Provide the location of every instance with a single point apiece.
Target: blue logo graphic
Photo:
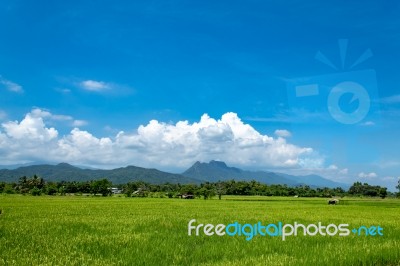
(345, 95)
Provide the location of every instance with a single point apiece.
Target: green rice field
(86, 230)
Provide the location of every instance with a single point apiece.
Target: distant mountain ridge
(216, 170)
(213, 171)
(67, 172)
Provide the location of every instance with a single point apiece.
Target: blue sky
(105, 67)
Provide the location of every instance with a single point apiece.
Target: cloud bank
(156, 144)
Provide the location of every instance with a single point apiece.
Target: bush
(62, 191)
(51, 190)
(36, 192)
(8, 189)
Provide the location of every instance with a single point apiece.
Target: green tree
(102, 186)
(8, 189)
(36, 181)
(220, 189)
(51, 189)
(188, 189)
(356, 189)
(61, 190)
(204, 192)
(383, 192)
(36, 191)
(2, 186)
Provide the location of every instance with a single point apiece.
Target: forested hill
(216, 170)
(67, 172)
(213, 171)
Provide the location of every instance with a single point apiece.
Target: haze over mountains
(67, 172)
(216, 170)
(200, 172)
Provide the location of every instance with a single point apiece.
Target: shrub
(36, 192)
(8, 189)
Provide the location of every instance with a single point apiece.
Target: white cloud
(227, 139)
(92, 85)
(79, 123)
(46, 115)
(37, 112)
(102, 87)
(283, 133)
(156, 144)
(83, 146)
(11, 86)
(31, 128)
(332, 167)
(43, 113)
(61, 117)
(367, 175)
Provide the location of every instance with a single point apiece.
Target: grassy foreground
(54, 230)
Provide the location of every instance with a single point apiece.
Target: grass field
(79, 230)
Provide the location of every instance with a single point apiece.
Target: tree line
(37, 186)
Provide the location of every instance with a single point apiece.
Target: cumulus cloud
(227, 139)
(367, 175)
(11, 86)
(30, 128)
(155, 144)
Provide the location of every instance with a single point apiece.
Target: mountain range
(67, 172)
(199, 172)
(216, 170)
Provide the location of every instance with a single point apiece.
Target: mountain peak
(215, 171)
(212, 171)
(64, 165)
(218, 164)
